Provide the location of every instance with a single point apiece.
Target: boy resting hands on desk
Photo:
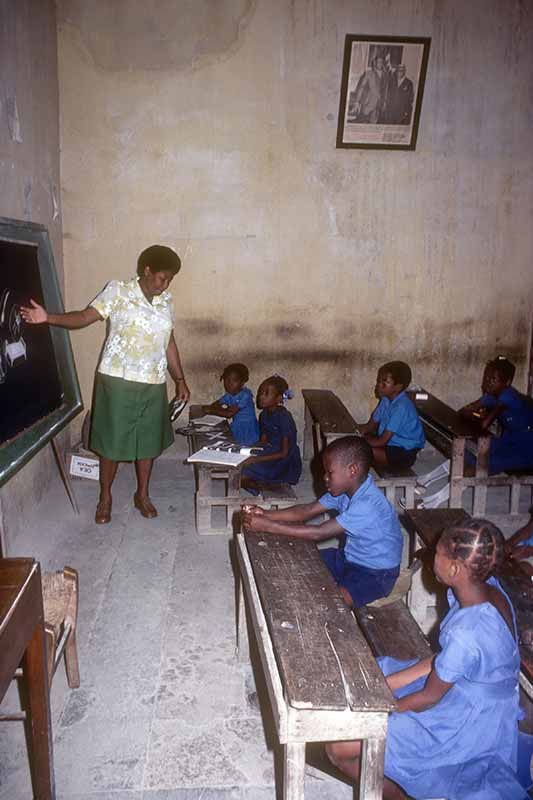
(367, 562)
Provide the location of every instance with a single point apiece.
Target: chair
(60, 603)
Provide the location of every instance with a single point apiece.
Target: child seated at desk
(367, 563)
(280, 461)
(455, 731)
(237, 405)
(500, 401)
(520, 545)
(394, 430)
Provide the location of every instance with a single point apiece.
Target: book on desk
(227, 455)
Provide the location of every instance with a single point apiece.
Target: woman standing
(130, 419)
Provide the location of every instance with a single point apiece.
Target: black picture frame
(383, 80)
(15, 452)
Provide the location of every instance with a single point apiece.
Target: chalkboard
(39, 390)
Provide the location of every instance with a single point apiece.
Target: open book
(225, 455)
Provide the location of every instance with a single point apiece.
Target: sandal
(103, 513)
(144, 506)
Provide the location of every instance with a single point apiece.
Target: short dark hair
(351, 450)
(279, 383)
(476, 542)
(241, 370)
(505, 368)
(399, 370)
(160, 259)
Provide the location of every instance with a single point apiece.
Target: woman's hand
(182, 390)
(35, 315)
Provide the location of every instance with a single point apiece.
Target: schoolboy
(367, 562)
(394, 430)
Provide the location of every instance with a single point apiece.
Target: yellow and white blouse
(139, 332)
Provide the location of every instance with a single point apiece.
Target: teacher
(130, 420)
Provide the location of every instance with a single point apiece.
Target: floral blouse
(139, 332)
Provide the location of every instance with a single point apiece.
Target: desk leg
(242, 648)
(308, 435)
(482, 471)
(457, 471)
(372, 763)
(40, 724)
(294, 771)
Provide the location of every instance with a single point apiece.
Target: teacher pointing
(130, 420)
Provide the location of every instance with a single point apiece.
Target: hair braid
(478, 543)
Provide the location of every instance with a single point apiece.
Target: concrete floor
(164, 711)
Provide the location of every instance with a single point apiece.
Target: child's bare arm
(298, 513)
(218, 409)
(476, 405)
(487, 419)
(312, 533)
(397, 680)
(283, 453)
(369, 427)
(379, 441)
(429, 696)
(521, 553)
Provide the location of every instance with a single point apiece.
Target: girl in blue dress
(280, 461)
(500, 401)
(237, 405)
(455, 733)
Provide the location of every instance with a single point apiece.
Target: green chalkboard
(39, 389)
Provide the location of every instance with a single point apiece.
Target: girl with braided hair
(455, 731)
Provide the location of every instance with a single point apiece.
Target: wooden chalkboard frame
(16, 452)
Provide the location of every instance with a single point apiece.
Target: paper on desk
(207, 419)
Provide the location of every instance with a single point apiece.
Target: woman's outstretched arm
(72, 320)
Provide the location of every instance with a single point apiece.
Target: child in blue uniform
(455, 733)
(237, 405)
(394, 430)
(367, 563)
(500, 401)
(280, 461)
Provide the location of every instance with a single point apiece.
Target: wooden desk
(210, 475)
(323, 681)
(325, 416)
(428, 525)
(22, 642)
(449, 432)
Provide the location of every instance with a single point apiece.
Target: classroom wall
(211, 127)
(29, 184)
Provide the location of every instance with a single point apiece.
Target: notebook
(228, 456)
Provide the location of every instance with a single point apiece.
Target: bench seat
(391, 630)
(392, 479)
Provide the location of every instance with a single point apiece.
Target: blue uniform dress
(368, 562)
(244, 425)
(464, 747)
(401, 418)
(274, 425)
(514, 449)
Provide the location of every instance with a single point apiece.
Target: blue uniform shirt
(244, 426)
(373, 535)
(401, 418)
(518, 412)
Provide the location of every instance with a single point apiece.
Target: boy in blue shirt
(367, 563)
(394, 430)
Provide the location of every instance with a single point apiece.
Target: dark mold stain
(203, 327)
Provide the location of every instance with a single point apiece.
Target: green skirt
(129, 419)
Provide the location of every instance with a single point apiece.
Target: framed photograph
(381, 93)
(39, 391)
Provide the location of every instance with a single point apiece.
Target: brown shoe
(144, 506)
(103, 513)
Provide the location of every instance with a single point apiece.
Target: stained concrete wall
(211, 126)
(29, 182)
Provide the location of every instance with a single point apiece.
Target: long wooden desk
(449, 432)
(326, 416)
(22, 641)
(428, 524)
(323, 681)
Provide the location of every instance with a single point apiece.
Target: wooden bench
(391, 630)
(391, 480)
(428, 524)
(323, 681)
(326, 419)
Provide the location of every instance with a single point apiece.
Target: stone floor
(164, 711)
